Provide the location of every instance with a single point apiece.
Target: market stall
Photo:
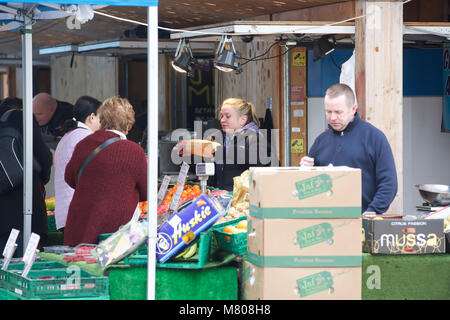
(224, 259)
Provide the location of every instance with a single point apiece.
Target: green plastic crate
(51, 223)
(37, 265)
(5, 295)
(56, 284)
(235, 242)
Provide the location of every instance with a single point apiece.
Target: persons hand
(180, 148)
(369, 214)
(306, 161)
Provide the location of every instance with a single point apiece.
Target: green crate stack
(230, 242)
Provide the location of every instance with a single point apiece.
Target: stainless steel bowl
(435, 194)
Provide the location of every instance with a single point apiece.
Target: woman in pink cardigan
(87, 121)
(112, 184)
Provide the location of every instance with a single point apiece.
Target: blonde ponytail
(244, 108)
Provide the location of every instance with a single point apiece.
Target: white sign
(180, 181)
(11, 242)
(10, 247)
(163, 189)
(28, 257)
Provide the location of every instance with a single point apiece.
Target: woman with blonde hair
(109, 187)
(242, 143)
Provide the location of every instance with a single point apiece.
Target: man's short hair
(116, 113)
(339, 89)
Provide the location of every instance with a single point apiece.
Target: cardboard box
(305, 192)
(183, 227)
(304, 242)
(394, 235)
(333, 283)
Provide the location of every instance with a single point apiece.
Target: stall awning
(138, 3)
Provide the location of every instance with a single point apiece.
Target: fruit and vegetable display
(190, 192)
(178, 238)
(240, 203)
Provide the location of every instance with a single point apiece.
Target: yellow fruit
(242, 225)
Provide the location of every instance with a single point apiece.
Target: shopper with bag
(11, 199)
(109, 175)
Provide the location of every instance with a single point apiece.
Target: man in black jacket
(51, 115)
(12, 202)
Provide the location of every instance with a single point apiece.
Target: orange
(230, 229)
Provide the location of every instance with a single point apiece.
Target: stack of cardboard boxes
(304, 234)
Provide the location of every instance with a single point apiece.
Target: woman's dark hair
(83, 108)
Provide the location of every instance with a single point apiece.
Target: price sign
(30, 253)
(180, 181)
(10, 247)
(163, 189)
(11, 242)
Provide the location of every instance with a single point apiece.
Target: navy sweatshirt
(363, 146)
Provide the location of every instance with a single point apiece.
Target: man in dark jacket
(51, 115)
(12, 203)
(351, 141)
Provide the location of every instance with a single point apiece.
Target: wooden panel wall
(88, 75)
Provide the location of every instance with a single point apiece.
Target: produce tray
(5, 295)
(230, 242)
(56, 284)
(38, 265)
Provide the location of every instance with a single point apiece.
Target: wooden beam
(379, 75)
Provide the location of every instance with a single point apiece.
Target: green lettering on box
(315, 234)
(304, 261)
(314, 283)
(313, 186)
(305, 212)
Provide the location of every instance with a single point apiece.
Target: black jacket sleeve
(41, 153)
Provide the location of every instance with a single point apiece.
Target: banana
(191, 251)
(188, 252)
(181, 254)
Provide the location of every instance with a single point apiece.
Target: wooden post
(379, 75)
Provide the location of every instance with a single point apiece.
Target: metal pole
(27, 80)
(287, 108)
(152, 145)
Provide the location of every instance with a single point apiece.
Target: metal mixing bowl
(435, 194)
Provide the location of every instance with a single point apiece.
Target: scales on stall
(203, 172)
